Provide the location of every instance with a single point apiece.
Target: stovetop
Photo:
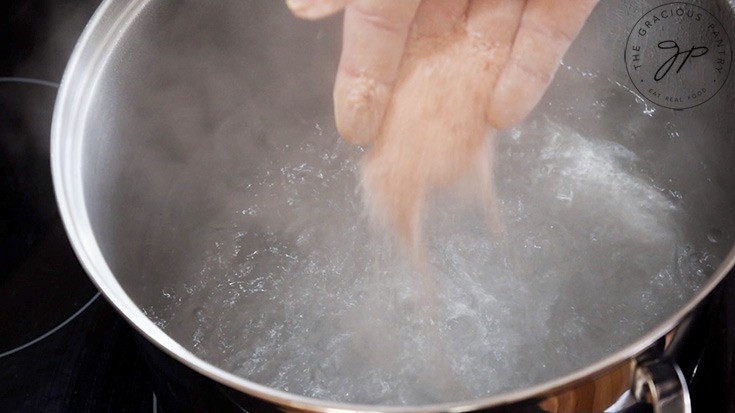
(63, 348)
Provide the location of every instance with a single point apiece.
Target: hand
(525, 40)
(421, 80)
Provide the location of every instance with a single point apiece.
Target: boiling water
(295, 291)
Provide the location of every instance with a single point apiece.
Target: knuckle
(550, 31)
(390, 19)
(534, 72)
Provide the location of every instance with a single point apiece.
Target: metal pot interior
(199, 138)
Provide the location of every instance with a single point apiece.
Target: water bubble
(600, 104)
(516, 135)
(710, 262)
(251, 211)
(308, 147)
(676, 195)
(462, 327)
(197, 337)
(672, 130)
(714, 236)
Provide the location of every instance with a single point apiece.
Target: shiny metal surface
(663, 385)
(105, 111)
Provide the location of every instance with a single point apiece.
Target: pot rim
(104, 30)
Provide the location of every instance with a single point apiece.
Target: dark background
(88, 362)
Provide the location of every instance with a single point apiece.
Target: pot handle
(663, 385)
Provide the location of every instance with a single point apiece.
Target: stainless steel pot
(110, 116)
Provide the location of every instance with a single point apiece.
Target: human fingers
(547, 30)
(316, 9)
(495, 21)
(437, 17)
(492, 25)
(373, 41)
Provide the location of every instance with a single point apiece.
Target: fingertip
(348, 129)
(501, 118)
(354, 124)
(359, 107)
(315, 9)
(518, 90)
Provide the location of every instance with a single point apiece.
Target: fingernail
(303, 8)
(315, 9)
(298, 6)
